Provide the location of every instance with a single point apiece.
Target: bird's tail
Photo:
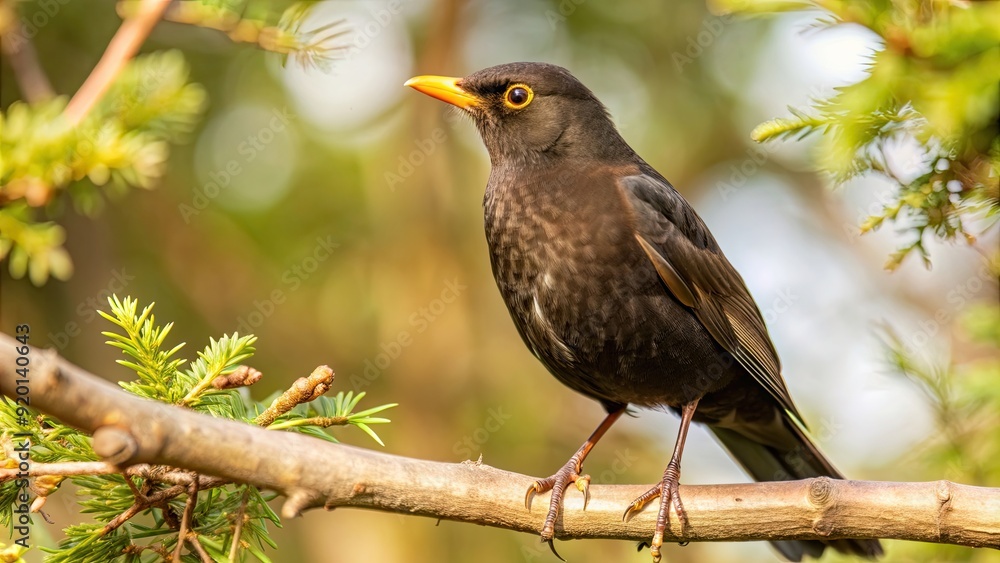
(782, 451)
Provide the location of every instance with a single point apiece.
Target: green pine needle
(105, 497)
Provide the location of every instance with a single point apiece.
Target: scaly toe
(679, 508)
(654, 546)
(641, 501)
(537, 488)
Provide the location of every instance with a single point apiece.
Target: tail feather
(788, 453)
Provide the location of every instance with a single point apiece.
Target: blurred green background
(335, 213)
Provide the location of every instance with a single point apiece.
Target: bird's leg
(569, 473)
(668, 489)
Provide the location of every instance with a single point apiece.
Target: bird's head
(530, 112)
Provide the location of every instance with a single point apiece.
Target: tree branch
(313, 473)
(124, 45)
(31, 79)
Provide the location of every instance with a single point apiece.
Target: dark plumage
(617, 286)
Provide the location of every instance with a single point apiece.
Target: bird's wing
(694, 270)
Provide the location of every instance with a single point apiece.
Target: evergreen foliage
(48, 161)
(933, 82)
(152, 531)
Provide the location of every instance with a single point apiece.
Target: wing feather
(697, 274)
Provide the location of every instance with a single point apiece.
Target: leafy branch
(149, 513)
(931, 89)
(116, 131)
(315, 474)
(123, 142)
(336, 411)
(263, 25)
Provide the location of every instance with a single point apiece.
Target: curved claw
(632, 508)
(552, 546)
(534, 489)
(640, 502)
(583, 485)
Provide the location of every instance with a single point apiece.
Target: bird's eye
(518, 96)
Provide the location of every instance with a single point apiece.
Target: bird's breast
(558, 251)
(584, 297)
(554, 240)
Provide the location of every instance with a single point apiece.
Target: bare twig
(313, 473)
(196, 544)
(124, 45)
(31, 79)
(303, 390)
(65, 469)
(144, 500)
(141, 504)
(186, 520)
(131, 486)
(159, 473)
(240, 517)
(244, 376)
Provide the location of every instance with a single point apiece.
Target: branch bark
(31, 79)
(124, 45)
(312, 473)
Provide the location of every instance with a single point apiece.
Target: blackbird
(617, 286)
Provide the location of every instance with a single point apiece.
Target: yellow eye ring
(518, 96)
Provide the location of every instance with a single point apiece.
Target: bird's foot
(668, 492)
(557, 483)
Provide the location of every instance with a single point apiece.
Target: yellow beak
(444, 88)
